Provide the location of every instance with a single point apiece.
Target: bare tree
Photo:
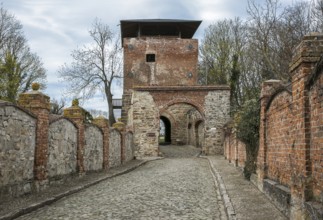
(317, 14)
(222, 56)
(16, 60)
(262, 26)
(95, 67)
(215, 52)
(273, 33)
(57, 107)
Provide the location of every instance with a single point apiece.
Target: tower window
(150, 57)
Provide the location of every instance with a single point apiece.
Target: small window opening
(150, 57)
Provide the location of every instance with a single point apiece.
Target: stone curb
(223, 191)
(48, 201)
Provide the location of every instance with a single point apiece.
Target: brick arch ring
(166, 114)
(181, 101)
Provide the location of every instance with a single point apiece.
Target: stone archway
(182, 129)
(180, 105)
(166, 130)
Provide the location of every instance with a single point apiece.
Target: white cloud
(55, 27)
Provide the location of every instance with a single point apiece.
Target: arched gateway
(160, 83)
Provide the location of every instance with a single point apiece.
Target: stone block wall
(17, 150)
(199, 128)
(208, 107)
(129, 147)
(93, 149)
(62, 150)
(217, 110)
(195, 126)
(180, 131)
(38, 149)
(115, 149)
(145, 121)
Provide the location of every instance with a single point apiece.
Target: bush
(247, 124)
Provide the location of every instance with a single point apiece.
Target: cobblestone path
(172, 188)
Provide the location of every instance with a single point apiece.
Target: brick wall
(175, 62)
(38, 149)
(279, 141)
(290, 150)
(166, 86)
(234, 149)
(316, 133)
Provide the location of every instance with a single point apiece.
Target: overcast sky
(55, 27)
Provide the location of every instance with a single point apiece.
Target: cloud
(55, 28)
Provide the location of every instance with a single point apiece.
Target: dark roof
(158, 27)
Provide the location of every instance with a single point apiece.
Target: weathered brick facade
(290, 151)
(289, 162)
(160, 80)
(165, 70)
(234, 149)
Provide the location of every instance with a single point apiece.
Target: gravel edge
(223, 191)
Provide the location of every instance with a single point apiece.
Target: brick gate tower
(160, 84)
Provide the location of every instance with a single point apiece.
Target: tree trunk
(108, 94)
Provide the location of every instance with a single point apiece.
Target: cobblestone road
(172, 188)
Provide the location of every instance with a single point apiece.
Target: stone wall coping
(87, 125)
(114, 129)
(5, 103)
(121, 132)
(53, 118)
(129, 132)
(35, 93)
(181, 88)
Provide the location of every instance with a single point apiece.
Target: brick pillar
(120, 126)
(267, 89)
(39, 104)
(306, 55)
(103, 123)
(76, 114)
